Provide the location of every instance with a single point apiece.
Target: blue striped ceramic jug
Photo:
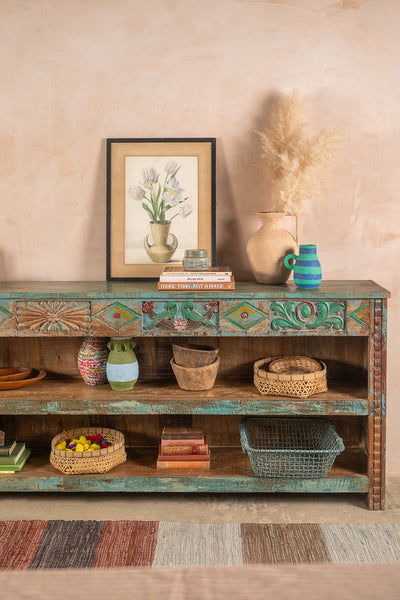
(307, 271)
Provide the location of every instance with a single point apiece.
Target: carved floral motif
(308, 315)
(53, 316)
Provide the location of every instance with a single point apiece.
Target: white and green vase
(122, 365)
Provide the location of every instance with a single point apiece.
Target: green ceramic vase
(122, 366)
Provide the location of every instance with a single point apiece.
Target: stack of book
(214, 278)
(13, 456)
(183, 448)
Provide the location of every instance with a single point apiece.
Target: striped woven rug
(108, 544)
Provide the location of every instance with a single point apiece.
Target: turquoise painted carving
(307, 315)
(244, 316)
(178, 317)
(5, 316)
(116, 316)
(357, 314)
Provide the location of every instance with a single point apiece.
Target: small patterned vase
(307, 272)
(92, 361)
(122, 366)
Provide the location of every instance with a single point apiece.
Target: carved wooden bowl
(196, 379)
(190, 355)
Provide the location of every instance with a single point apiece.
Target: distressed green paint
(256, 405)
(116, 316)
(102, 483)
(5, 315)
(356, 315)
(307, 315)
(244, 316)
(180, 317)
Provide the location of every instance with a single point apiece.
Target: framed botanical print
(160, 202)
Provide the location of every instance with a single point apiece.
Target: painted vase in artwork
(269, 245)
(307, 272)
(122, 365)
(161, 251)
(92, 360)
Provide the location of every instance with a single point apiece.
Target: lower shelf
(230, 472)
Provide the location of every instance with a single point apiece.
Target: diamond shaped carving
(116, 316)
(244, 315)
(5, 316)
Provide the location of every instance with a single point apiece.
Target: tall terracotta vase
(269, 245)
(160, 251)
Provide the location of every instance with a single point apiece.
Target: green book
(12, 459)
(4, 468)
(8, 447)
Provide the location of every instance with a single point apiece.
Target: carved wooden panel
(358, 316)
(7, 317)
(180, 317)
(246, 317)
(119, 318)
(53, 317)
(308, 316)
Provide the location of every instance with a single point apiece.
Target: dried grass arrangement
(294, 163)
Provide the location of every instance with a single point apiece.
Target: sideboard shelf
(342, 323)
(227, 397)
(230, 472)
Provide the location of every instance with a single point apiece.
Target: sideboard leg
(377, 418)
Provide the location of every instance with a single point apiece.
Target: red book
(184, 449)
(184, 464)
(184, 457)
(187, 442)
(182, 433)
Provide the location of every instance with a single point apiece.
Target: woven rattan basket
(290, 447)
(294, 385)
(94, 461)
(295, 365)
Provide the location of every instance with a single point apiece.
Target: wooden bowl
(188, 355)
(14, 373)
(196, 379)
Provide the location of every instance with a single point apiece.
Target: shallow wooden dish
(196, 379)
(14, 373)
(36, 375)
(190, 355)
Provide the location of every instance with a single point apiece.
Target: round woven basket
(295, 385)
(93, 461)
(295, 365)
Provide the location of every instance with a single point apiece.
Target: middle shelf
(228, 397)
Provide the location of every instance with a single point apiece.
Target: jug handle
(297, 224)
(286, 260)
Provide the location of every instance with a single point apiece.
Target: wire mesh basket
(290, 447)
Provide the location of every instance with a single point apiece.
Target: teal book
(11, 468)
(12, 459)
(8, 447)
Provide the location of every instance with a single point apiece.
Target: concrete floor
(229, 508)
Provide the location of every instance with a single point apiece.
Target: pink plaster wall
(76, 72)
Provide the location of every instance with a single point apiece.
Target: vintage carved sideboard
(342, 323)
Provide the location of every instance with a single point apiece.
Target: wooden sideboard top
(148, 289)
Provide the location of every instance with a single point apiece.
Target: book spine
(7, 449)
(195, 450)
(181, 438)
(184, 464)
(12, 458)
(195, 278)
(184, 457)
(229, 285)
(212, 271)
